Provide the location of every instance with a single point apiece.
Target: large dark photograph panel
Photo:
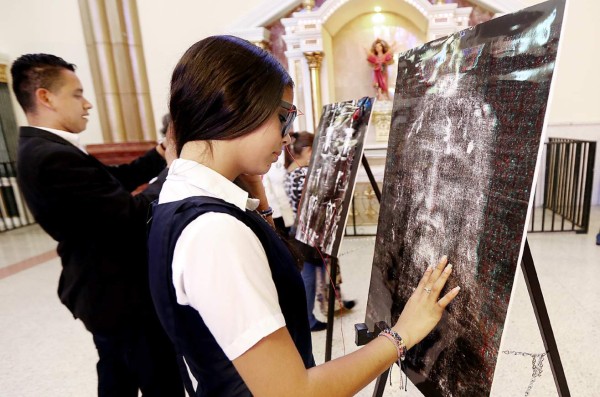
(329, 185)
(466, 132)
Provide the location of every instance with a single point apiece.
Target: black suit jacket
(100, 227)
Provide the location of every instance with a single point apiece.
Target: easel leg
(362, 337)
(374, 184)
(541, 314)
(330, 308)
(380, 384)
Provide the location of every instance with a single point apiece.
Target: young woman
(224, 285)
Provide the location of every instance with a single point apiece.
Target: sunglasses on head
(287, 120)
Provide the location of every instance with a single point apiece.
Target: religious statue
(379, 56)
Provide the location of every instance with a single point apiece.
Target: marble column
(314, 59)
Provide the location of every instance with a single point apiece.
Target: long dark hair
(301, 140)
(222, 88)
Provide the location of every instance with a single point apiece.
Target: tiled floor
(43, 351)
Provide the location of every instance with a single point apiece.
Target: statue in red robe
(380, 55)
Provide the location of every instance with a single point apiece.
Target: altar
(327, 45)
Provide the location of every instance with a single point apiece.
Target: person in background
(225, 286)
(314, 274)
(166, 120)
(283, 216)
(100, 228)
(298, 155)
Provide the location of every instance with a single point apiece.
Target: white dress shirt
(220, 268)
(278, 200)
(68, 136)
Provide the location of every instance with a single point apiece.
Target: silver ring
(428, 290)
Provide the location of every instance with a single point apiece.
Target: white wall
(576, 88)
(30, 26)
(574, 108)
(170, 27)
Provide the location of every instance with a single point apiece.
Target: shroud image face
(466, 133)
(336, 154)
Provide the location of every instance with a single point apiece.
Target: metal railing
(13, 210)
(567, 187)
(564, 188)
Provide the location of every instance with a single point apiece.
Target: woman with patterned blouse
(297, 159)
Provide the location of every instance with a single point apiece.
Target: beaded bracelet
(396, 340)
(267, 212)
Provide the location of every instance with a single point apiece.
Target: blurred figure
(283, 216)
(166, 121)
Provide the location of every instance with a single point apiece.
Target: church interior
(125, 52)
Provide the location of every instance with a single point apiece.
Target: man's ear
(43, 97)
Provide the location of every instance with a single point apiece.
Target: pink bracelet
(391, 338)
(396, 339)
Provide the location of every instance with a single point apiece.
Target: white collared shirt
(220, 268)
(68, 136)
(278, 199)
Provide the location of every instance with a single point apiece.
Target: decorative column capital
(308, 5)
(314, 59)
(3, 76)
(262, 44)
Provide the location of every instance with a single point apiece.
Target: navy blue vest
(214, 372)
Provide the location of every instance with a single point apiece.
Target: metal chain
(537, 366)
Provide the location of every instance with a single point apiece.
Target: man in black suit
(100, 228)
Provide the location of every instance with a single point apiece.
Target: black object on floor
(319, 326)
(349, 304)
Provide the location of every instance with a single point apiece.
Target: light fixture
(378, 18)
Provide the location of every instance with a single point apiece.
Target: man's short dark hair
(32, 71)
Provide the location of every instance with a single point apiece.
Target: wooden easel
(363, 336)
(334, 269)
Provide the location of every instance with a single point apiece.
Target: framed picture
(467, 123)
(336, 155)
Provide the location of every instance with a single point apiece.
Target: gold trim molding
(314, 59)
(308, 5)
(3, 76)
(262, 44)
